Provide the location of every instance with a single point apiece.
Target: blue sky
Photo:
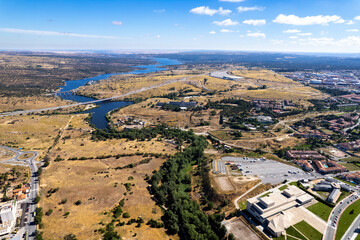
(247, 25)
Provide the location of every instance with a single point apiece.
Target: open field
(307, 230)
(320, 209)
(351, 166)
(75, 141)
(5, 154)
(99, 187)
(31, 132)
(25, 103)
(146, 111)
(346, 218)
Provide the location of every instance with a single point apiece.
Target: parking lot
(268, 171)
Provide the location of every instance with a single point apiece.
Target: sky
(236, 25)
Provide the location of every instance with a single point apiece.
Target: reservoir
(99, 114)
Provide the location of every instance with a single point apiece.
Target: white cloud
(227, 31)
(158, 36)
(277, 42)
(226, 22)
(119, 23)
(255, 22)
(212, 32)
(353, 41)
(256, 34)
(350, 22)
(246, 9)
(357, 18)
(203, 10)
(352, 30)
(308, 20)
(293, 37)
(292, 31)
(51, 33)
(305, 34)
(232, 0)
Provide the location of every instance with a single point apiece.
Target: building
(304, 155)
(329, 186)
(7, 217)
(182, 105)
(305, 165)
(353, 177)
(326, 167)
(312, 134)
(21, 193)
(271, 211)
(349, 146)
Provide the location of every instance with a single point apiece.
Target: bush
(78, 202)
(126, 215)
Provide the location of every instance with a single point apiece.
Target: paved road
(30, 227)
(90, 102)
(335, 215)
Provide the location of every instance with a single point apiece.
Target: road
(335, 215)
(30, 226)
(91, 102)
(250, 190)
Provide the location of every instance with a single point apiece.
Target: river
(99, 114)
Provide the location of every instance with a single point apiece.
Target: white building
(7, 217)
(271, 212)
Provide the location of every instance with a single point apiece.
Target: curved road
(30, 227)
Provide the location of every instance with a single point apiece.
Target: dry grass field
(32, 132)
(5, 154)
(121, 84)
(25, 103)
(75, 141)
(99, 187)
(153, 115)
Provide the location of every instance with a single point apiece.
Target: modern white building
(271, 211)
(7, 217)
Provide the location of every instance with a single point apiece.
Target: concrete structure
(271, 211)
(7, 217)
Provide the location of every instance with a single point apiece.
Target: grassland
(320, 209)
(146, 111)
(31, 132)
(8, 104)
(5, 154)
(351, 166)
(346, 218)
(99, 187)
(308, 230)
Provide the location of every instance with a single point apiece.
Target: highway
(335, 215)
(30, 226)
